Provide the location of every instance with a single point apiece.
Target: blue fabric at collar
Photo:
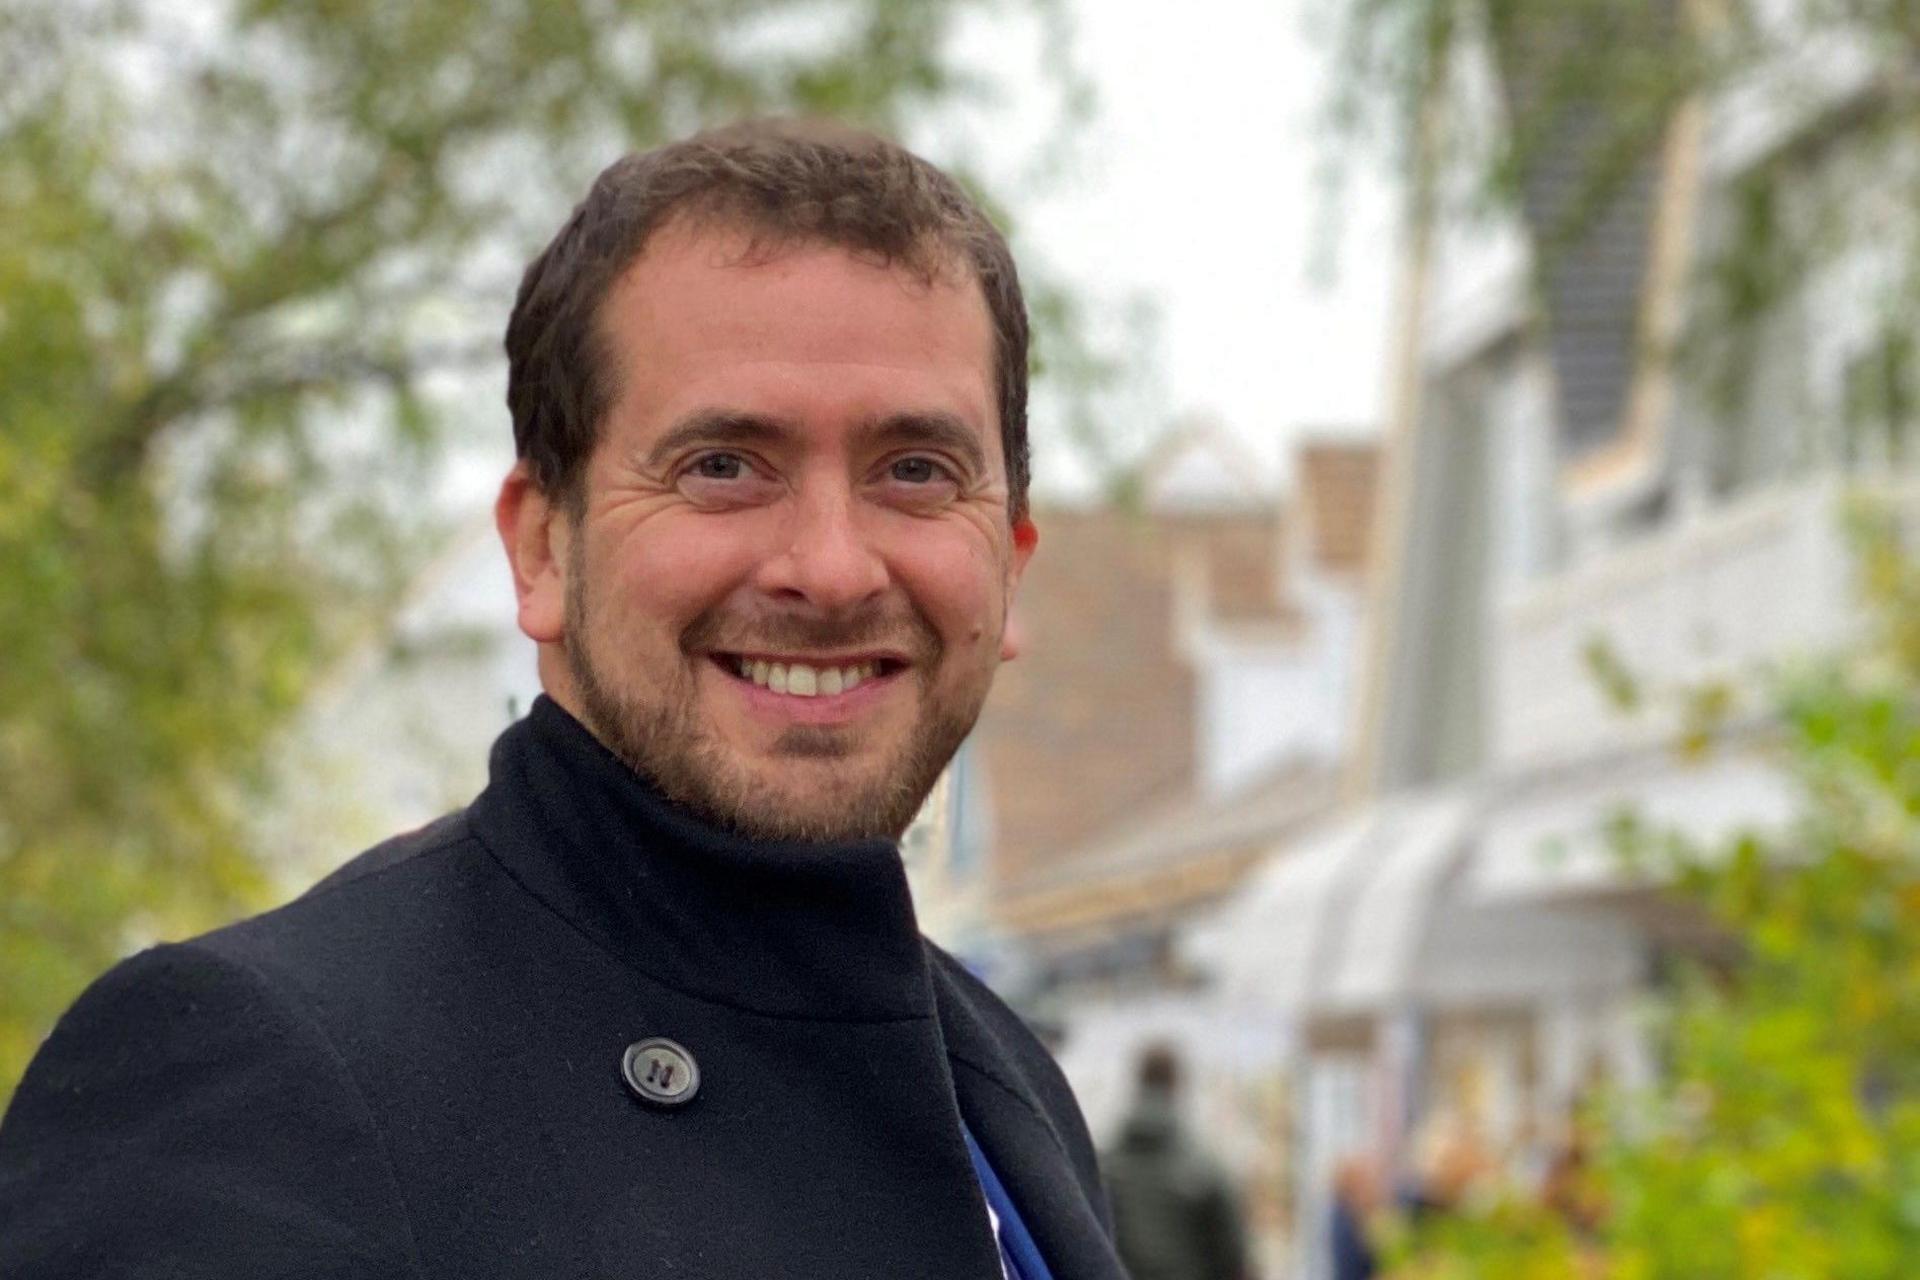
(1015, 1240)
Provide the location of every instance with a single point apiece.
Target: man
(655, 1004)
(1175, 1214)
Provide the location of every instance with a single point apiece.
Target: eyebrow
(717, 426)
(732, 427)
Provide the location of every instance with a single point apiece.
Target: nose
(829, 559)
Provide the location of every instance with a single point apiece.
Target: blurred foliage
(1813, 120)
(1785, 1139)
(243, 240)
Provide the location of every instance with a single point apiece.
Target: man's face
(786, 595)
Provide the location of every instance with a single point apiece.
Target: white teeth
(801, 680)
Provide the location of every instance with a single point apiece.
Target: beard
(669, 743)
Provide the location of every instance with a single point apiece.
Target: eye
(718, 466)
(723, 479)
(916, 470)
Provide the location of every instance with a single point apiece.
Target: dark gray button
(660, 1071)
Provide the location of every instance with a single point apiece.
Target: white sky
(1196, 186)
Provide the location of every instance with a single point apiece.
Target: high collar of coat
(785, 929)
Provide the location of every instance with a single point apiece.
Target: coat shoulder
(390, 953)
(448, 829)
(369, 914)
(186, 1110)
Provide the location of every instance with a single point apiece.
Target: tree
(1785, 1139)
(246, 243)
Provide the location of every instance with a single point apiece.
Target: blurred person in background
(1175, 1213)
(1357, 1198)
(656, 1002)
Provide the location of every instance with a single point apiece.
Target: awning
(1374, 914)
(1337, 923)
(1389, 924)
(1264, 946)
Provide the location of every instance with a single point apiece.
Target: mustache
(897, 628)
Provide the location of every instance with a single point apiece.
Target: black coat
(414, 1069)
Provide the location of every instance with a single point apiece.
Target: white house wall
(1261, 705)
(1759, 581)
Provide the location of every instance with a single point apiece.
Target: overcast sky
(1199, 185)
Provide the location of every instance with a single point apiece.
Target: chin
(813, 800)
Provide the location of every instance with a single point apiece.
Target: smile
(807, 679)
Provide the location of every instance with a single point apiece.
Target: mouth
(809, 677)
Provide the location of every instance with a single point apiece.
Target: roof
(1097, 715)
(1089, 739)
(1594, 231)
(1190, 849)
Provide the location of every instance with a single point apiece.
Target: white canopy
(1266, 944)
(1373, 913)
(1388, 928)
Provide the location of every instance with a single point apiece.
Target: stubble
(667, 740)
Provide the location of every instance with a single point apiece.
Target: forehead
(706, 318)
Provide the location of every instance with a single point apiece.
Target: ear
(1013, 636)
(535, 531)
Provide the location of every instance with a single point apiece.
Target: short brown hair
(782, 182)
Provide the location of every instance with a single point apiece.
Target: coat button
(660, 1071)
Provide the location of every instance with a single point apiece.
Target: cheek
(670, 570)
(959, 585)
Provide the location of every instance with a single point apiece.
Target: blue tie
(1017, 1250)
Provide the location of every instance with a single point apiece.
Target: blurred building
(1181, 708)
(1455, 949)
(1181, 703)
